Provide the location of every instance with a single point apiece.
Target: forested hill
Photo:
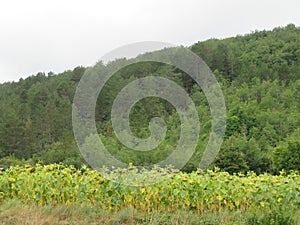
(260, 77)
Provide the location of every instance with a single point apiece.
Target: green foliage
(277, 216)
(287, 155)
(201, 192)
(9, 161)
(260, 77)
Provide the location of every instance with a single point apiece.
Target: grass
(15, 212)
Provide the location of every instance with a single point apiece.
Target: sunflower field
(199, 191)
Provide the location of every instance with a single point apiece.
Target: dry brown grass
(15, 213)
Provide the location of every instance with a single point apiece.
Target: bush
(10, 161)
(280, 216)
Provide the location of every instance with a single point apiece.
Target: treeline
(36, 118)
(259, 74)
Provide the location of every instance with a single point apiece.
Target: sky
(58, 35)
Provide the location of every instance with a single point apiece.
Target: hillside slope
(260, 77)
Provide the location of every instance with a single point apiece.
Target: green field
(76, 196)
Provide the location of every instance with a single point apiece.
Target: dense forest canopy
(259, 74)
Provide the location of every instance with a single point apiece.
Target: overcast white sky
(56, 35)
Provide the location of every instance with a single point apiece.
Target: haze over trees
(259, 74)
